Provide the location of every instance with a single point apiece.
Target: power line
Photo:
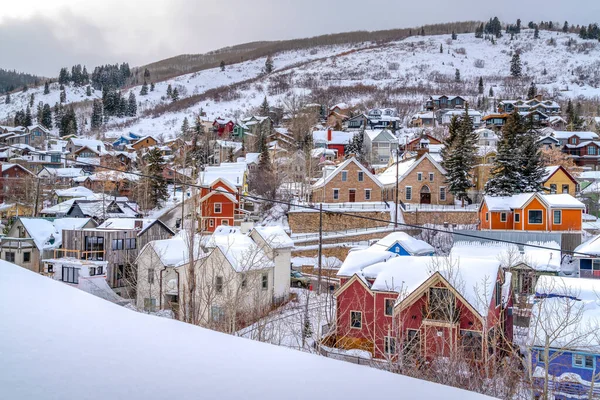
(313, 208)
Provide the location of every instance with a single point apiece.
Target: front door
(439, 340)
(352, 195)
(425, 195)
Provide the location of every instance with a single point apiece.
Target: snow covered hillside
(61, 343)
(398, 74)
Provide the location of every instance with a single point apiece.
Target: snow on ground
(61, 343)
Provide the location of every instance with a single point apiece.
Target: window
(573, 140)
(218, 208)
(565, 189)
(367, 194)
(344, 176)
(150, 304)
(487, 217)
(498, 293)
(151, 275)
(541, 357)
(557, 217)
(471, 343)
(211, 223)
(94, 247)
(336, 194)
(361, 176)
(219, 284)
(412, 341)
(217, 313)
(419, 176)
(584, 361)
(225, 222)
(99, 270)
(431, 177)
(26, 256)
(265, 282)
(591, 150)
(70, 274)
(442, 193)
(118, 244)
(130, 243)
(408, 193)
(92, 271)
(517, 217)
(389, 307)
(356, 319)
(503, 217)
(552, 188)
(535, 216)
(441, 304)
(389, 345)
(9, 256)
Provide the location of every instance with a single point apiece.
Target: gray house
(379, 145)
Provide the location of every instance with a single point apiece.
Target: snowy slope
(61, 343)
(411, 69)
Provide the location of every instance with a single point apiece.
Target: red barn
(429, 306)
(218, 205)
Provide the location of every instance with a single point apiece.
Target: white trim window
(502, 217)
(344, 176)
(517, 217)
(367, 194)
(356, 319)
(442, 193)
(535, 217)
(557, 217)
(431, 176)
(336, 194)
(361, 176)
(389, 345)
(218, 208)
(419, 176)
(389, 307)
(408, 192)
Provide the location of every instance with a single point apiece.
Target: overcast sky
(40, 36)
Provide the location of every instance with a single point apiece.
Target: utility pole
(37, 197)
(396, 196)
(320, 247)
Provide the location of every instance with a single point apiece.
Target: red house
(218, 205)
(13, 180)
(426, 306)
(334, 140)
(223, 127)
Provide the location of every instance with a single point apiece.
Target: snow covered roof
(232, 172)
(337, 137)
(357, 260)
(42, 230)
(77, 191)
(323, 181)
(591, 247)
(240, 250)
(175, 252)
(413, 245)
(103, 208)
(543, 259)
(504, 253)
(236, 146)
(92, 144)
(565, 311)
(382, 134)
(549, 171)
(234, 364)
(275, 236)
(388, 177)
(64, 172)
(127, 224)
(507, 203)
(562, 201)
(580, 135)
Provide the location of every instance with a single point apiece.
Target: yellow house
(9, 211)
(483, 167)
(559, 180)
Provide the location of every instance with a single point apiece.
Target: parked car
(299, 280)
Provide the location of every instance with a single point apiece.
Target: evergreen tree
(454, 35)
(63, 76)
(123, 108)
(169, 91)
(7, 101)
(88, 91)
(25, 88)
(28, 121)
(532, 165)
(131, 105)
(356, 147)
(19, 119)
(39, 111)
(185, 126)
(479, 32)
(457, 75)
(574, 121)
(63, 96)
(146, 73)
(536, 33)
(422, 31)
(480, 86)
(544, 72)
(46, 88)
(441, 48)
(264, 164)
(156, 184)
(532, 92)
(222, 65)
(518, 26)
(97, 108)
(515, 66)
(61, 87)
(565, 27)
(175, 96)
(491, 92)
(144, 90)
(46, 120)
(264, 108)
(505, 179)
(269, 65)
(460, 156)
(85, 77)
(31, 99)
(68, 123)
(152, 86)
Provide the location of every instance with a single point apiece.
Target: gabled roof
(229, 196)
(388, 177)
(42, 229)
(129, 224)
(518, 201)
(410, 244)
(549, 171)
(323, 181)
(275, 236)
(581, 135)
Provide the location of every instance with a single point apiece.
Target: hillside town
(458, 243)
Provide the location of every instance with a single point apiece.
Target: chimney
(329, 135)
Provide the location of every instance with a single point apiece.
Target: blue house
(565, 315)
(588, 255)
(403, 244)
(125, 140)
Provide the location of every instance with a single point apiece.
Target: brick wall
(305, 222)
(441, 217)
(344, 187)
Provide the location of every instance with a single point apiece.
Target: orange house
(531, 212)
(218, 205)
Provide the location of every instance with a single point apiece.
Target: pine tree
(185, 126)
(536, 33)
(28, 121)
(264, 164)
(422, 31)
(131, 105)
(144, 90)
(264, 108)
(88, 91)
(46, 120)
(46, 88)
(565, 27)
(454, 35)
(268, 65)
(31, 99)
(39, 111)
(532, 92)
(544, 72)
(505, 179)
(457, 75)
(515, 66)
(175, 96)
(479, 31)
(68, 123)
(63, 76)
(157, 185)
(146, 73)
(460, 156)
(169, 91)
(480, 86)
(532, 168)
(63, 96)
(222, 65)
(356, 147)
(96, 121)
(574, 121)
(7, 101)
(441, 48)
(491, 92)
(152, 86)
